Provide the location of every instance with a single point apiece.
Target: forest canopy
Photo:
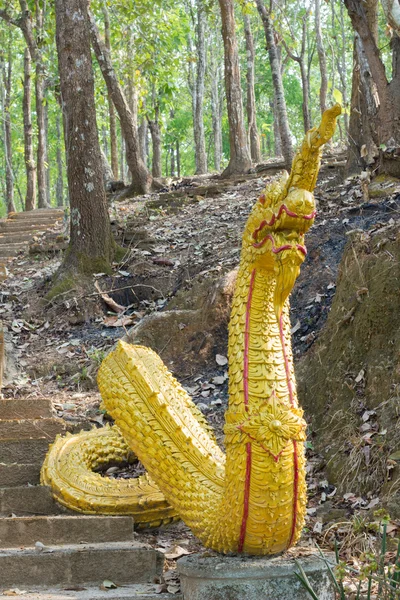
(168, 58)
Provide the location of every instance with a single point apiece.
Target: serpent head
(274, 235)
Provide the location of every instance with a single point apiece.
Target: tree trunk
(306, 95)
(142, 133)
(240, 160)
(172, 152)
(59, 184)
(386, 96)
(155, 132)
(46, 137)
(392, 13)
(363, 137)
(323, 90)
(30, 197)
(199, 138)
(40, 113)
(178, 158)
(111, 108)
(343, 67)
(215, 112)
(281, 112)
(277, 134)
(7, 81)
(41, 147)
(251, 101)
(141, 178)
(91, 246)
(388, 114)
(300, 59)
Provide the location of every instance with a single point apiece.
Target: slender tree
(91, 246)
(392, 12)
(111, 108)
(141, 178)
(199, 138)
(25, 23)
(37, 51)
(155, 132)
(323, 90)
(30, 197)
(7, 83)
(388, 92)
(215, 69)
(60, 177)
(240, 160)
(279, 94)
(300, 58)
(251, 100)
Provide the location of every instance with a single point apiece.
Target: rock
(383, 186)
(329, 513)
(222, 577)
(193, 330)
(362, 334)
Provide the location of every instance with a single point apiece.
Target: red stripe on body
(295, 492)
(246, 498)
(283, 208)
(246, 405)
(295, 458)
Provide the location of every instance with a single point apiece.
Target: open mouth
(277, 249)
(261, 240)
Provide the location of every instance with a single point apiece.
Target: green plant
(96, 355)
(380, 573)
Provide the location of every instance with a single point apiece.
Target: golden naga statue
(253, 499)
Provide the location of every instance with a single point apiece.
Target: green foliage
(380, 571)
(154, 54)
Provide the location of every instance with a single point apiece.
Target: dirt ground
(178, 244)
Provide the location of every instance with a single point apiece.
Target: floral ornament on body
(273, 426)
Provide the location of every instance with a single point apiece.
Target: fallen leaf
(317, 527)
(165, 262)
(108, 300)
(374, 502)
(176, 552)
(295, 328)
(221, 360)
(360, 376)
(119, 321)
(108, 585)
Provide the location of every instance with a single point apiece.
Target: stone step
(18, 451)
(17, 532)
(7, 249)
(16, 227)
(28, 501)
(25, 408)
(33, 225)
(33, 216)
(37, 214)
(31, 429)
(119, 562)
(15, 474)
(139, 591)
(16, 237)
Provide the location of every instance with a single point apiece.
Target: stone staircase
(19, 229)
(47, 553)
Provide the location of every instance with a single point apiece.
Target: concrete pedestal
(222, 577)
